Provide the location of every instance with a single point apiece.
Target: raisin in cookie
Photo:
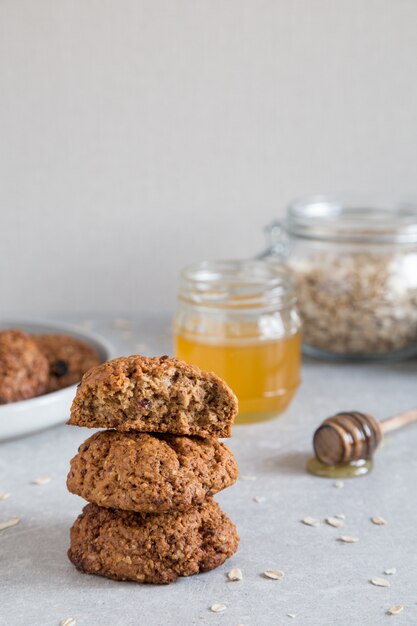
(150, 473)
(151, 548)
(68, 358)
(23, 367)
(154, 395)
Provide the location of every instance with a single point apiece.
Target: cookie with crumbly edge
(150, 473)
(154, 395)
(23, 367)
(151, 548)
(68, 358)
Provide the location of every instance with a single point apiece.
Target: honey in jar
(238, 319)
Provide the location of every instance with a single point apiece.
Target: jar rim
(237, 284)
(352, 219)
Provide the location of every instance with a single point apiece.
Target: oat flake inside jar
(355, 269)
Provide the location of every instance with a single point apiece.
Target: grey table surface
(326, 582)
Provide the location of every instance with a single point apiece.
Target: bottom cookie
(151, 547)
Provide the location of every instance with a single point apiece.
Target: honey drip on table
(264, 374)
(347, 470)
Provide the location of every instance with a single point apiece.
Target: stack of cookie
(150, 479)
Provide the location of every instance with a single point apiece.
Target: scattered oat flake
(311, 521)
(235, 574)
(259, 499)
(394, 610)
(10, 522)
(42, 480)
(340, 516)
(4, 496)
(247, 477)
(339, 484)
(379, 521)
(390, 571)
(380, 582)
(122, 324)
(218, 608)
(291, 615)
(70, 621)
(348, 539)
(334, 521)
(274, 574)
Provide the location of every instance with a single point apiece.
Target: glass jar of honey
(239, 319)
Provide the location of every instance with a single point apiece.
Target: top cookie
(68, 358)
(154, 395)
(23, 367)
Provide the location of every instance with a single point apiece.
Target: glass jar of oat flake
(355, 269)
(239, 319)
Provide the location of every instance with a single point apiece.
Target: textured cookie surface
(68, 358)
(150, 473)
(151, 548)
(154, 395)
(23, 367)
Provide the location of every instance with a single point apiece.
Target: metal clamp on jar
(355, 270)
(239, 320)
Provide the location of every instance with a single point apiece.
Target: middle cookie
(150, 473)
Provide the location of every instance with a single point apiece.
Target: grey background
(141, 135)
(326, 582)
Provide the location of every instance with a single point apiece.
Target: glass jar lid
(352, 220)
(237, 284)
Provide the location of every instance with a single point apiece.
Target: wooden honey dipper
(352, 436)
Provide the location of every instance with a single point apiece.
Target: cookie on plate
(69, 358)
(150, 473)
(154, 395)
(151, 548)
(23, 367)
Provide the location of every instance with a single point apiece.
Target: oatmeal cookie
(69, 358)
(150, 473)
(154, 395)
(151, 548)
(23, 367)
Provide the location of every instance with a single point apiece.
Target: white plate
(29, 416)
